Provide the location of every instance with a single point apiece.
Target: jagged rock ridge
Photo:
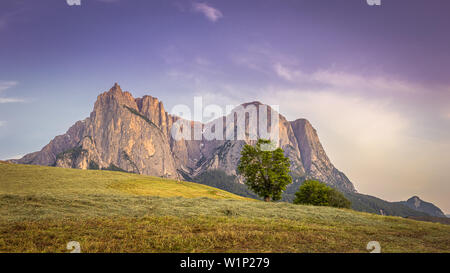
(124, 133)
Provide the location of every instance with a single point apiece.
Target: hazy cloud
(13, 157)
(210, 12)
(343, 81)
(4, 85)
(10, 100)
(286, 74)
(372, 141)
(364, 123)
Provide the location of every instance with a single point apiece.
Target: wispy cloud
(5, 85)
(368, 121)
(342, 80)
(210, 12)
(10, 100)
(13, 157)
(2, 123)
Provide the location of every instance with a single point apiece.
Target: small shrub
(315, 193)
(338, 200)
(93, 165)
(113, 167)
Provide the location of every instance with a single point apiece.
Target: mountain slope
(418, 204)
(133, 135)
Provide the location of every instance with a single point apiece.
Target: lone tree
(265, 169)
(313, 192)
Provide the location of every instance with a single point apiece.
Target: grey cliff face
(315, 160)
(114, 136)
(133, 135)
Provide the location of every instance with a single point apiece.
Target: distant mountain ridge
(418, 204)
(133, 135)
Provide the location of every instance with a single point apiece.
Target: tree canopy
(265, 169)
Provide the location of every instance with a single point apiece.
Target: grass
(24, 180)
(43, 208)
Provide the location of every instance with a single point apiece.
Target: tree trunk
(266, 198)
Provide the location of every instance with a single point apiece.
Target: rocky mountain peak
(116, 86)
(415, 200)
(117, 92)
(133, 135)
(418, 204)
(109, 100)
(255, 103)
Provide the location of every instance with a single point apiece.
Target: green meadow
(44, 208)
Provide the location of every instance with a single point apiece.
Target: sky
(373, 80)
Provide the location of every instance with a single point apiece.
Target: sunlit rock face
(134, 135)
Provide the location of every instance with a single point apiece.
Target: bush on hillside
(313, 192)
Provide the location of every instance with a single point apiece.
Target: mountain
(360, 202)
(418, 204)
(121, 133)
(134, 135)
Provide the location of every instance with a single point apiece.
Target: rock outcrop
(418, 204)
(134, 135)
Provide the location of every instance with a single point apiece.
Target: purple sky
(374, 81)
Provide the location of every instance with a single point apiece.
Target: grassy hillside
(360, 202)
(50, 181)
(43, 208)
